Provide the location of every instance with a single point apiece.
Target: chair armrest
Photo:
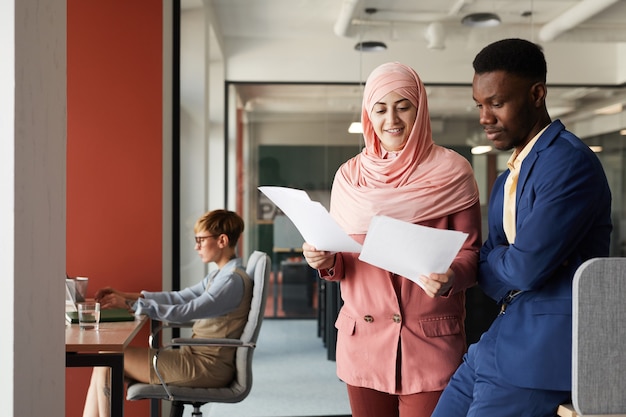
(197, 341)
(156, 329)
(177, 325)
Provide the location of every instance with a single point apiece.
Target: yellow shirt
(510, 186)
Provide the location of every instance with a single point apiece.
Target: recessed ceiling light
(370, 46)
(481, 20)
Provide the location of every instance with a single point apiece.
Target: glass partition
(296, 135)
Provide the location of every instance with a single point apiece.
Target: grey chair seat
(231, 394)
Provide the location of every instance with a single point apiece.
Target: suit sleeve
(554, 214)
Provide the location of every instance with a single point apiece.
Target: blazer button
(368, 318)
(397, 318)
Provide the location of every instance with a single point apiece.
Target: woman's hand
(318, 259)
(112, 298)
(437, 285)
(104, 291)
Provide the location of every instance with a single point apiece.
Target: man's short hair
(515, 56)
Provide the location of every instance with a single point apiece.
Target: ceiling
(399, 23)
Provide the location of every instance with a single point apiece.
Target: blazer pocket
(345, 324)
(444, 326)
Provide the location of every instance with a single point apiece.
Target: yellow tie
(510, 186)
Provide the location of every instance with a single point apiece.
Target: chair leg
(196, 410)
(177, 409)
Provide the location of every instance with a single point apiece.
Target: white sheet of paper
(410, 250)
(311, 219)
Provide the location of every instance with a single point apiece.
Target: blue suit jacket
(563, 218)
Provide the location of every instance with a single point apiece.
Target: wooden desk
(566, 410)
(104, 347)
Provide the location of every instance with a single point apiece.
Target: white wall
(215, 115)
(194, 164)
(202, 133)
(32, 208)
(621, 63)
(7, 189)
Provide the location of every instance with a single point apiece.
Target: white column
(194, 155)
(32, 206)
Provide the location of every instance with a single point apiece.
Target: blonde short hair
(219, 222)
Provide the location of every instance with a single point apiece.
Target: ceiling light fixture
(370, 46)
(355, 127)
(435, 36)
(481, 20)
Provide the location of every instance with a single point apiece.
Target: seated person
(219, 304)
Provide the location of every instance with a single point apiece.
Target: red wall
(114, 155)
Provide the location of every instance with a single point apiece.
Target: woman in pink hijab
(398, 344)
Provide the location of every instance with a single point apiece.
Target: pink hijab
(425, 181)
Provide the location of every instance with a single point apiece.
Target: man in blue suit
(548, 213)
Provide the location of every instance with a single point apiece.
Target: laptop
(107, 315)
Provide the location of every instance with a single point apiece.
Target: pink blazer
(388, 320)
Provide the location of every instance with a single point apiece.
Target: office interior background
(113, 149)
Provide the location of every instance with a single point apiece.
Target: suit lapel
(546, 139)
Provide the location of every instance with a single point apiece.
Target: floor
(292, 376)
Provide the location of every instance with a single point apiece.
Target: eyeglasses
(200, 239)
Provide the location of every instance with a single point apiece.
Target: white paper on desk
(311, 219)
(410, 250)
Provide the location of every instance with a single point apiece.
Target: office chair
(258, 268)
(598, 339)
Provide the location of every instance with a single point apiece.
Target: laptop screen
(70, 294)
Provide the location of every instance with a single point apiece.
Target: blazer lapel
(546, 139)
